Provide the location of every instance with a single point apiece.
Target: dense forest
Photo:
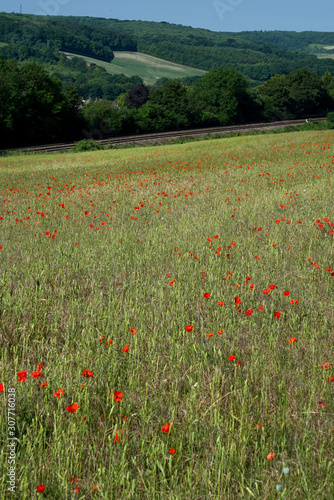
(257, 55)
(42, 91)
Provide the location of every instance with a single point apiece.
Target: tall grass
(185, 254)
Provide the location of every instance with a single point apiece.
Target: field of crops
(149, 68)
(167, 321)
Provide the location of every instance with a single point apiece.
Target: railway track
(167, 136)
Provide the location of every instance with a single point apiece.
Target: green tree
(223, 93)
(308, 93)
(105, 118)
(33, 107)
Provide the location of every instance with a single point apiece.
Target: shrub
(87, 145)
(330, 120)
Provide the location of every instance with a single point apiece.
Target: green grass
(173, 235)
(149, 68)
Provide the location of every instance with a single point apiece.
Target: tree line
(36, 108)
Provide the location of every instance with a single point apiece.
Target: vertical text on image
(11, 440)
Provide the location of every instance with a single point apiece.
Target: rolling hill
(257, 55)
(149, 68)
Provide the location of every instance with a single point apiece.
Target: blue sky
(216, 15)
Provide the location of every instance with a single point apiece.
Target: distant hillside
(148, 68)
(311, 42)
(257, 55)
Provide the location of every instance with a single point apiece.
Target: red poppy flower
(43, 384)
(40, 366)
(165, 428)
(133, 330)
(40, 488)
(292, 340)
(277, 314)
(1, 388)
(206, 295)
(172, 451)
(271, 455)
(126, 348)
(36, 374)
(116, 395)
(87, 373)
(59, 393)
(72, 408)
(286, 293)
(189, 328)
(231, 358)
(21, 376)
(249, 312)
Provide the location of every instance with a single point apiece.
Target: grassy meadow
(167, 320)
(149, 68)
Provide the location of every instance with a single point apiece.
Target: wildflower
(292, 340)
(271, 455)
(189, 328)
(59, 393)
(43, 384)
(133, 330)
(172, 451)
(165, 428)
(87, 373)
(21, 376)
(1, 388)
(206, 295)
(36, 374)
(126, 348)
(277, 315)
(40, 488)
(286, 293)
(116, 395)
(72, 408)
(231, 358)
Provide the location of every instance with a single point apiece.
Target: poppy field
(167, 321)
